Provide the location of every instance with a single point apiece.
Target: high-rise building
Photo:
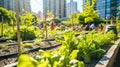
(57, 7)
(11, 5)
(1, 3)
(71, 8)
(107, 8)
(40, 15)
(24, 4)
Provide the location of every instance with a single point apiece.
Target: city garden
(54, 43)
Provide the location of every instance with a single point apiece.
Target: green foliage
(104, 39)
(5, 13)
(27, 33)
(27, 45)
(88, 45)
(13, 17)
(50, 15)
(74, 54)
(118, 29)
(38, 42)
(27, 18)
(62, 57)
(89, 14)
(73, 19)
(3, 46)
(8, 30)
(88, 48)
(9, 16)
(72, 49)
(25, 61)
(81, 18)
(39, 33)
(69, 41)
(54, 33)
(50, 59)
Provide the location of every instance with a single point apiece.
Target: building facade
(57, 7)
(71, 8)
(1, 3)
(11, 5)
(107, 9)
(40, 15)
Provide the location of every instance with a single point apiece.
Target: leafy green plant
(25, 61)
(10, 41)
(88, 47)
(50, 59)
(3, 46)
(69, 41)
(27, 33)
(64, 57)
(72, 50)
(104, 39)
(38, 42)
(27, 45)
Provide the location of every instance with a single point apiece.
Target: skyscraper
(57, 7)
(11, 5)
(1, 3)
(71, 8)
(24, 4)
(107, 8)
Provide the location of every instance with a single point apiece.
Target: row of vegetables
(74, 51)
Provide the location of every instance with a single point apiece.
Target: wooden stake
(18, 27)
(2, 26)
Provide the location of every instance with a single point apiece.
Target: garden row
(72, 52)
(8, 54)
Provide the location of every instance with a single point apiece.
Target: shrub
(26, 33)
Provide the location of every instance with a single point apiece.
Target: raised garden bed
(117, 60)
(9, 55)
(93, 64)
(108, 59)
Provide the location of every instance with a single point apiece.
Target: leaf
(24, 61)
(55, 64)
(47, 54)
(80, 64)
(44, 64)
(73, 54)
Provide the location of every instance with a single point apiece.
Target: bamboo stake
(18, 27)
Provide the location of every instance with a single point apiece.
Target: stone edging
(108, 59)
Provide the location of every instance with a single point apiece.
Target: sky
(37, 5)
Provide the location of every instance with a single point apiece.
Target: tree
(6, 16)
(48, 18)
(12, 17)
(89, 14)
(5, 13)
(73, 19)
(27, 18)
(50, 15)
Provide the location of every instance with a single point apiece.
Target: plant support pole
(46, 28)
(2, 26)
(18, 27)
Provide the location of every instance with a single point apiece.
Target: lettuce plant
(88, 47)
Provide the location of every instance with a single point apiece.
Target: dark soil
(94, 60)
(14, 49)
(117, 61)
(45, 44)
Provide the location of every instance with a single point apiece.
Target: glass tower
(107, 9)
